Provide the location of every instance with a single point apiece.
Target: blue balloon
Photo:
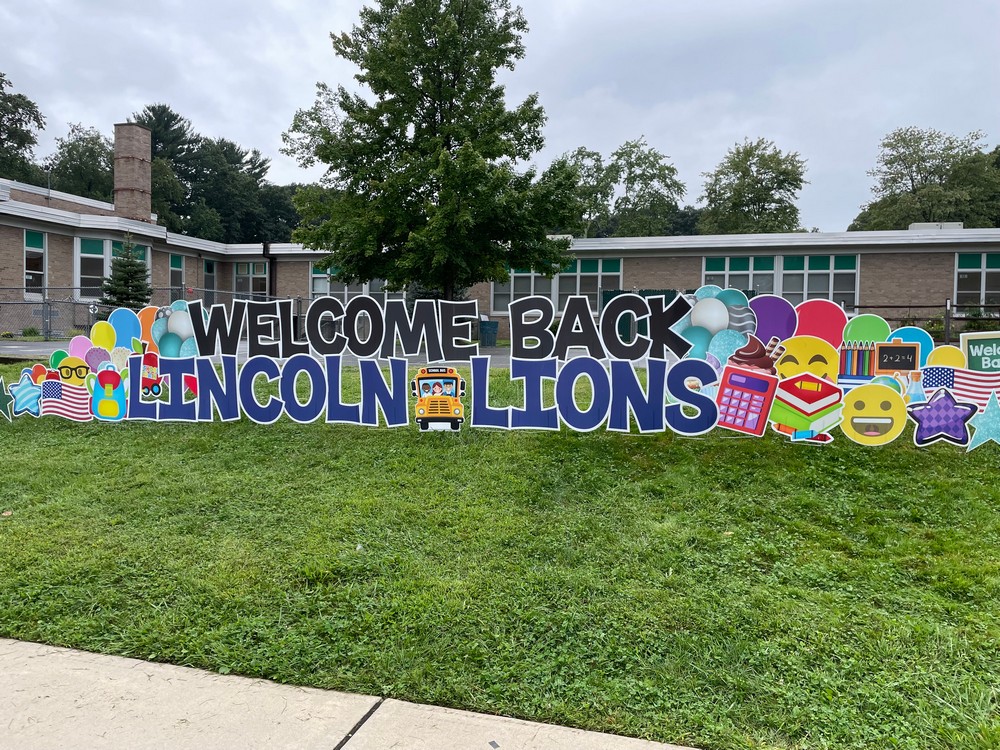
(914, 335)
(127, 326)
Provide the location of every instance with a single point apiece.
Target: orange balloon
(147, 316)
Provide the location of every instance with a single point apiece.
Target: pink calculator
(744, 399)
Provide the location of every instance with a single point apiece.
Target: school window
(176, 277)
(250, 280)
(820, 277)
(748, 274)
(588, 277)
(324, 284)
(208, 274)
(93, 263)
(977, 281)
(34, 263)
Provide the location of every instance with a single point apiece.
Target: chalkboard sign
(896, 357)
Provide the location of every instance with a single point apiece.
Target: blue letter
(484, 415)
(220, 393)
(270, 410)
(533, 372)
(376, 393)
(583, 367)
(627, 394)
(708, 412)
(313, 407)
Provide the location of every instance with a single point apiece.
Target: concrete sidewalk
(60, 698)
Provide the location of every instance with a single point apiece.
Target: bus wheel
(423, 424)
(455, 424)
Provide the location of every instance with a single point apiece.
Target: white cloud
(826, 78)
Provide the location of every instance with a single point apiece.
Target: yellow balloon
(946, 356)
(103, 335)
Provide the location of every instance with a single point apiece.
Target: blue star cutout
(941, 418)
(5, 401)
(26, 395)
(987, 424)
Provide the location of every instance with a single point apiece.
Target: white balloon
(180, 323)
(710, 314)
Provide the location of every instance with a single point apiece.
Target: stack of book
(805, 407)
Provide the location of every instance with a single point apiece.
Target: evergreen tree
(128, 285)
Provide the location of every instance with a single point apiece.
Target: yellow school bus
(437, 390)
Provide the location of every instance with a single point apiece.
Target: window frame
(44, 249)
(251, 274)
(346, 292)
(607, 268)
(107, 256)
(782, 273)
(984, 269)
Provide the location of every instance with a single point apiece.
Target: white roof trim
(57, 195)
(901, 239)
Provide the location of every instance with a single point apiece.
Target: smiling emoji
(808, 354)
(874, 414)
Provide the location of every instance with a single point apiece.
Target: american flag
(968, 385)
(65, 400)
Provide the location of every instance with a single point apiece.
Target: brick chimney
(133, 171)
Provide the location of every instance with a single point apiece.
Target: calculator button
(752, 421)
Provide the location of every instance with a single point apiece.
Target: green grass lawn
(718, 592)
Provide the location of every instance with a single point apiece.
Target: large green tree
(20, 119)
(213, 188)
(422, 184)
(753, 190)
(925, 175)
(83, 164)
(634, 193)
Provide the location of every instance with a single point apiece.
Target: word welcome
(439, 329)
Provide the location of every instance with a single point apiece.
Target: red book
(807, 393)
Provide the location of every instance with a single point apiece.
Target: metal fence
(61, 314)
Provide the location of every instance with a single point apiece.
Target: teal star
(5, 400)
(987, 424)
(26, 395)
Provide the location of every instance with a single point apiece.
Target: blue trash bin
(488, 330)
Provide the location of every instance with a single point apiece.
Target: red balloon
(823, 319)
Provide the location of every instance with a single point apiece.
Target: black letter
(520, 329)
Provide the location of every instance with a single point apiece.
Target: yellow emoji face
(73, 370)
(808, 354)
(874, 414)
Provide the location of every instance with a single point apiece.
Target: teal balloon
(709, 291)
(725, 343)
(700, 338)
(170, 345)
(189, 348)
(179, 304)
(158, 330)
(733, 297)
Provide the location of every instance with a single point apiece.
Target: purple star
(942, 418)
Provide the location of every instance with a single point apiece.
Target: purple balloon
(775, 317)
(97, 357)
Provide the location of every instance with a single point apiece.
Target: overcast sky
(825, 78)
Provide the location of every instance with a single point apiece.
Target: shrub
(30, 331)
